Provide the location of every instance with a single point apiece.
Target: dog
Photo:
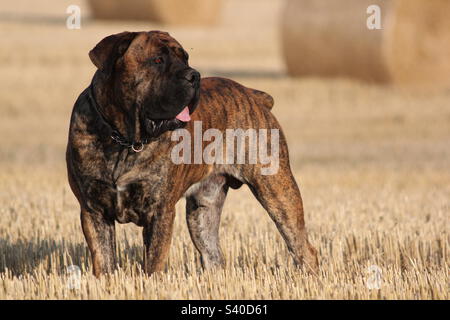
(120, 145)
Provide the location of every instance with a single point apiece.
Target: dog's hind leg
(204, 203)
(280, 196)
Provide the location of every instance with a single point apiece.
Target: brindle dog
(118, 153)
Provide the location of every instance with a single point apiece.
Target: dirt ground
(372, 163)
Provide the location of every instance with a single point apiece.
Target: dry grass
(372, 163)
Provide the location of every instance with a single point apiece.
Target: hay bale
(331, 38)
(176, 12)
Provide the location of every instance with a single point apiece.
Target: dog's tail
(263, 99)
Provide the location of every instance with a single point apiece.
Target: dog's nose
(192, 76)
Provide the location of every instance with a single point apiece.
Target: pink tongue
(184, 115)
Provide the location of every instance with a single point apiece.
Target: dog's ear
(106, 52)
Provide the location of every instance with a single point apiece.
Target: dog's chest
(134, 202)
(140, 187)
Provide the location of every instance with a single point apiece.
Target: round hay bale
(176, 12)
(331, 38)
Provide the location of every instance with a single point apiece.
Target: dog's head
(149, 76)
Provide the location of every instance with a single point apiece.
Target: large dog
(120, 144)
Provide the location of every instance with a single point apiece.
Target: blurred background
(307, 53)
(366, 114)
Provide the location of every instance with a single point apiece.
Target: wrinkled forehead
(154, 43)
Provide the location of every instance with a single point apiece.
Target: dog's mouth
(182, 112)
(185, 114)
(156, 127)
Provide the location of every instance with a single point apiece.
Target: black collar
(136, 146)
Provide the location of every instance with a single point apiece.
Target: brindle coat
(114, 183)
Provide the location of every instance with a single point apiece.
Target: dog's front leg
(157, 235)
(100, 235)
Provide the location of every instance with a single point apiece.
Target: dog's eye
(158, 60)
(185, 56)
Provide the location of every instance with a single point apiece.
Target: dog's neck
(122, 116)
(125, 117)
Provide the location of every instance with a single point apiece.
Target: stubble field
(372, 162)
